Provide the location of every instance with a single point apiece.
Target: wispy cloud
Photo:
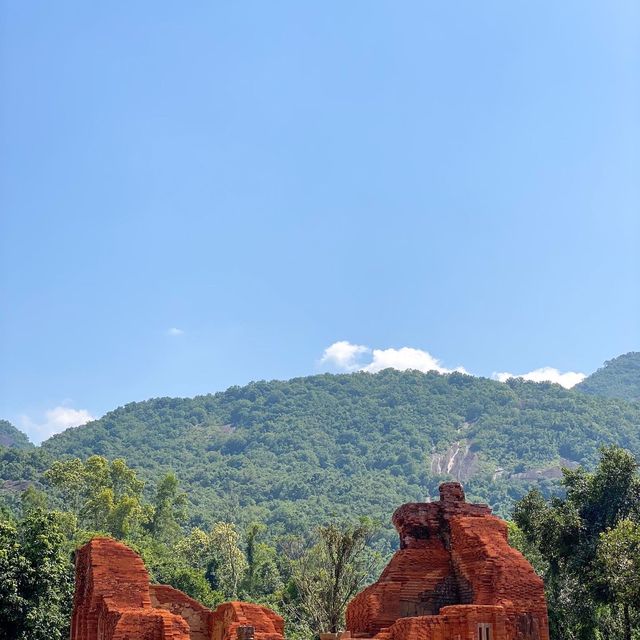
(567, 379)
(53, 421)
(174, 331)
(345, 356)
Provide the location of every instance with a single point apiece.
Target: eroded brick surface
(198, 617)
(114, 601)
(267, 624)
(454, 573)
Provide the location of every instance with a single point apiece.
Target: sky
(196, 195)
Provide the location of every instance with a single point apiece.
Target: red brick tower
(455, 577)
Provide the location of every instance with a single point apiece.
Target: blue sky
(194, 195)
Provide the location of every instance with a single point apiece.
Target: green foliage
(19, 469)
(169, 510)
(618, 378)
(36, 577)
(619, 559)
(332, 572)
(105, 496)
(519, 540)
(588, 544)
(265, 464)
(292, 454)
(219, 552)
(10, 436)
(194, 584)
(211, 565)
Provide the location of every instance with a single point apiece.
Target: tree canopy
(290, 454)
(618, 378)
(587, 546)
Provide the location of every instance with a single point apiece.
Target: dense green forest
(307, 578)
(618, 378)
(291, 453)
(275, 473)
(586, 546)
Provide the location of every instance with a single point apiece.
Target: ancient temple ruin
(114, 601)
(455, 577)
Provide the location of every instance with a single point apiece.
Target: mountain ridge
(617, 378)
(290, 451)
(11, 436)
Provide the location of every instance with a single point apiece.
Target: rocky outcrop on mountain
(552, 472)
(458, 462)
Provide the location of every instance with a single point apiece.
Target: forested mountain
(618, 378)
(291, 453)
(321, 450)
(12, 437)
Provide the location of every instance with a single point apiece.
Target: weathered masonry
(114, 601)
(455, 577)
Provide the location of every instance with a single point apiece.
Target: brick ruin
(455, 577)
(114, 601)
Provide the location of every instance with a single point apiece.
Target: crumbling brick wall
(454, 557)
(500, 575)
(114, 601)
(198, 617)
(267, 624)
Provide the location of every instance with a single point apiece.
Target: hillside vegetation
(291, 453)
(12, 437)
(275, 470)
(618, 378)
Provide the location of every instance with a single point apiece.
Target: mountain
(618, 378)
(291, 453)
(10, 436)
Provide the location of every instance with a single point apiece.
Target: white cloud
(174, 331)
(345, 356)
(54, 421)
(567, 379)
(406, 358)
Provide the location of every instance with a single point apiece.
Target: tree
(251, 548)
(262, 576)
(32, 499)
(576, 537)
(196, 548)
(36, 578)
(218, 552)
(12, 566)
(619, 559)
(193, 583)
(332, 572)
(169, 510)
(231, 562)
(106, 496)
(68, 476)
